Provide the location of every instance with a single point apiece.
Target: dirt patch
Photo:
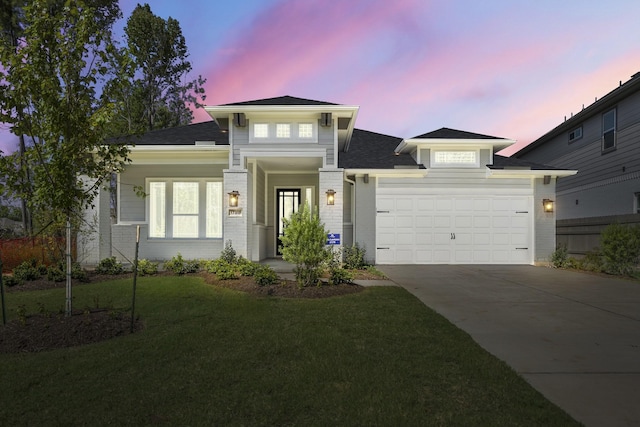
(283, 289)
(43, 332)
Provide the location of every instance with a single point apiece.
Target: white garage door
(427, 229)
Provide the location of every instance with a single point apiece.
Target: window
(575, 134)
(283, 130)
(261, 130)
(455, 159)
(609, 131)
(185, 209)
(305, 130)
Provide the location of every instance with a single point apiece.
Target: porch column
(236, 219)
(332, 215)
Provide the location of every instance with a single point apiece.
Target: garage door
(427, 229)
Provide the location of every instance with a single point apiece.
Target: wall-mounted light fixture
(331, 197)
(547, 205)
(234, 196)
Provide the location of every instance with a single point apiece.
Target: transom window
(284, 132)
(261, 130)
(185, 208)
(609, 131)
(455, 159)
(305, 130)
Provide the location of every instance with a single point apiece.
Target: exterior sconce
(547, 205)
(331, 197)
(233, 199)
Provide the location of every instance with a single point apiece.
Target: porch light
(233, 199)
(331, 197)
(547, 205)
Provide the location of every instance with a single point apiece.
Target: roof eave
(529, 173)
(496, 144)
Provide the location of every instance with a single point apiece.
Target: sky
(508, 68)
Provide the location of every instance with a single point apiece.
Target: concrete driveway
(573, 336)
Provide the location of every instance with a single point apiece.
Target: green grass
(212, 356)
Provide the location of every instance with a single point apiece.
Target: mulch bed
(42, 332)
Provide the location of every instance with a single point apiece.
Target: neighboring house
(603, 142)
(441, 197)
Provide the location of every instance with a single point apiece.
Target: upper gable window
(575, 134)
(455, 158)
(261, 130)
(279, 132)
(609, 131)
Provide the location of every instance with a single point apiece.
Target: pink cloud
(295, 42)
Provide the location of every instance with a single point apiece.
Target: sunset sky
(508, 68)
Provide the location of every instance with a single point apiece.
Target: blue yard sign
(333, 239)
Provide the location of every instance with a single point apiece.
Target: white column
(331, 215)
(236, 220)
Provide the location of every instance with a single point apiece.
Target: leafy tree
(304, 244)
(49, 86)
(157, 95)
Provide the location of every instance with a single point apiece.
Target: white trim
(189, 148)
(526, 173)
(395, 173)
(450, 144)
(282, 152)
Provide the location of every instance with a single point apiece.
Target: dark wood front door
(288, 202)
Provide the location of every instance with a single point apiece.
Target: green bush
(110, 266)
(11, 281)
(354, 257)
(147, 268)
(228, 254)
(55, 274)
(303, 244)
(28, 270)
(620, 248)
(265, 276)
(179, 265)
(592, 261)
(246, 267)
(340, 275)
(560, 257)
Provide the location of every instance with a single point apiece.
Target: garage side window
(609, 131)
(186, 209)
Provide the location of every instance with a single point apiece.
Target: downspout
(353, 206)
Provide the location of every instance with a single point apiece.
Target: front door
(288, 202)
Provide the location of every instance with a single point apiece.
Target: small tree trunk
(69, 295)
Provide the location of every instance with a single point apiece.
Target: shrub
(228, 253)
(354, 257)
(216, 265)
(559, 257)
(340, 275)
(246, 267)
(110, 266)
(11, 281)
(58, 273)
(147, 268)
(55, 274)
(620, 248)
(265, 276)
(592, 261)
(26, 271)
(303, 244)
(179, 265)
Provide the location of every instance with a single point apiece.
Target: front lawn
(215, 356)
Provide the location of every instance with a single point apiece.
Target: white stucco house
(443, 197)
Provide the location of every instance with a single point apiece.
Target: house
(441, 197)
(603, 142)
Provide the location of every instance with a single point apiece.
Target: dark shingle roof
(370, 150)
(282, 100)
(180, 135)
(501, 162)
(446, 133)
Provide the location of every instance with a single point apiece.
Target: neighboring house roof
(282, 100)
(606, 102)
(371, 150)
(447, 133)
(181, 135)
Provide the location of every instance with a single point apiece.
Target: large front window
(185, 208)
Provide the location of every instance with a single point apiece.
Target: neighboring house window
(283, 130)
(637, 203)
(575, 134)
(305, 130)
(609, 130)
(261, 130)
(185, 209)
